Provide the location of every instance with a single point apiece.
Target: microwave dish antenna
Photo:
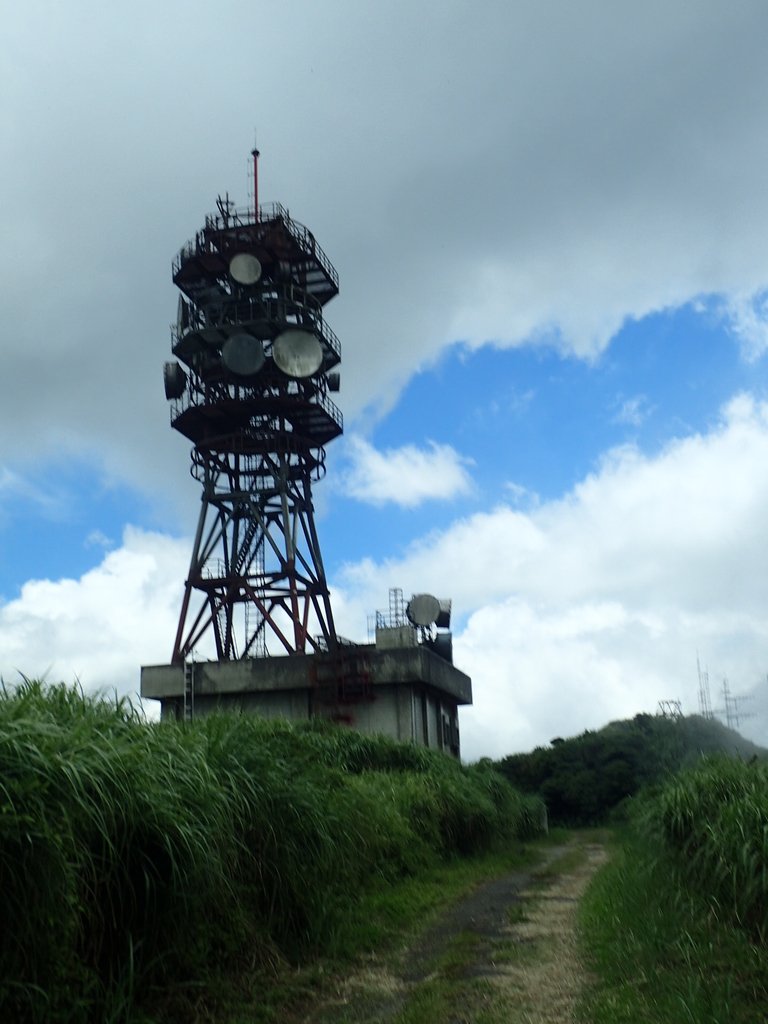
(245, 268)
(423, 610)
(242, 354)
(297, 353)
(174, 380)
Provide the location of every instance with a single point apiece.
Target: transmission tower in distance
(732, 707)
(705, 702)
(670, 709)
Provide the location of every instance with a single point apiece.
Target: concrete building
(397, 687)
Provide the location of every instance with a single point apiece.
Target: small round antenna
(423, 610)
(244, 268)
(297, 353)
(175, 380)
(242, 354)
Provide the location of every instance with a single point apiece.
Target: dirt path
(506, 954)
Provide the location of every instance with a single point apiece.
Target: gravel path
(509, 950)
(544, 986)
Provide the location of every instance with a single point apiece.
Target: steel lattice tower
(252, 397)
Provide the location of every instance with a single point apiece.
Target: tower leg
(256, 558)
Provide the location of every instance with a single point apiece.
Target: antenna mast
(705, 703)
(255, 154)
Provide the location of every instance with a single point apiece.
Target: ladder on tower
(189, 691)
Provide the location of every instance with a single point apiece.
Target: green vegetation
(714, 822)
(584, 779)
(213, 871)
(675, 925)
(145, 867)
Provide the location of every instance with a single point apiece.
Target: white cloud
(633, 411)
(521, 497)
(17, 487)
(546, 671)
(747, 319)
(98, 539)
(102, 627)
(406, 476)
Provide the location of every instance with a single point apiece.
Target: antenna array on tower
(250, 390)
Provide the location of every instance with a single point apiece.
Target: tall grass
(656, 954)
(714, 821)
(134, 856)
(676, 925)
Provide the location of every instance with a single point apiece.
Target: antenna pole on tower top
(255, 155)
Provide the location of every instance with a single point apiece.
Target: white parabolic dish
(297, 353)
(244, 268)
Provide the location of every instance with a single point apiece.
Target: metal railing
(277, 311)
(199, 396)
(256, 473)
(245, 218)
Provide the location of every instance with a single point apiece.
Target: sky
(550, 223)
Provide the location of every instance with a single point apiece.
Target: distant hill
(583, 779)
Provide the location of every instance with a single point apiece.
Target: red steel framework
(253, 398)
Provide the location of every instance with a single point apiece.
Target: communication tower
(732, 707)
(255, 362)
(705, 702)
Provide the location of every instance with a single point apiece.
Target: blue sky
(532, 421)
(549, 223)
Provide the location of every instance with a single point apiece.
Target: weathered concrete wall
(398, 665)
(413, 692)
